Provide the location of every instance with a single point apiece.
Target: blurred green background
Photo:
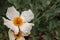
(46, 20)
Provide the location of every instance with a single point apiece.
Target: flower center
(18, 21)
(18, 35)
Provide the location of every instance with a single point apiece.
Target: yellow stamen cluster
(18, 21)
(19, 35)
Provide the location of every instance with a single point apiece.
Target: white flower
(18, 22)
(11, 36)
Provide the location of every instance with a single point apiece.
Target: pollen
(19, 35)
(18, 21)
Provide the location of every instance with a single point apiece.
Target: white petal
(22, 38)
(10, 25)
(12, 12)
(27, 15)
(11, 37)
(26, 34)
(26, 28)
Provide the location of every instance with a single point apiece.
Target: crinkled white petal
(27, 15)
(10, 25)
(26, 34)
(12, 12)
(26, 28)
(11, 37)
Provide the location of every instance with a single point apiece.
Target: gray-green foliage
(47, 17)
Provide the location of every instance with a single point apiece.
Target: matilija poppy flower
(19, 24)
